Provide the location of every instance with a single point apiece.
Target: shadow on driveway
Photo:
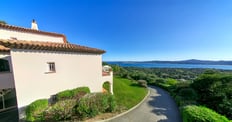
(158, 107)
(163, 105)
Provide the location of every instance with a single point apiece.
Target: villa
(36, 64)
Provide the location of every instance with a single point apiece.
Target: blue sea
(166, 65)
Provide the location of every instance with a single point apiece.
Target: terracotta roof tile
(50, 46)
(4, 49)
(21, 29)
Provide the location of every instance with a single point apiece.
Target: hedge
(93, 104)
(67, 94)
(61, 110)
(34, 111)
(194, 113)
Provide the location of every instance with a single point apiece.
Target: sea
(170, 65)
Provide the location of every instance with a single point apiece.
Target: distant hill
(192, 61)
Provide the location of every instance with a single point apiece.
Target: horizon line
(163, 60)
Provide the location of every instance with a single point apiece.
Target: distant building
(37, 64)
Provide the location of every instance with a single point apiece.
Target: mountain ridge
(190, 61)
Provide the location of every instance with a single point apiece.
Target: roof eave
(48, 46)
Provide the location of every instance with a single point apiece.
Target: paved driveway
(158, 107)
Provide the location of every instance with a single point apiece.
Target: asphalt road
(158, 107)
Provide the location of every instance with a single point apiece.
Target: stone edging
(148, 93)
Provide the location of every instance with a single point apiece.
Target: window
(51, 67)
(7, 99)
(4, 66)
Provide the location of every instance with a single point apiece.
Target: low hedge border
(35, 110)
(67, 94)
(193, 113)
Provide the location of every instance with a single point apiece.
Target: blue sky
(134, 30)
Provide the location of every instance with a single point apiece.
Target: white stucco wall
(109, 78)
(8, 34)
(6, 78)
(72, 70)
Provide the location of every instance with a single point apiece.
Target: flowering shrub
(62, 110)
(93, 104)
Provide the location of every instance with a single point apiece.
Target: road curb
(106, 120)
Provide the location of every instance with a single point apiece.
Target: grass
(127, 95)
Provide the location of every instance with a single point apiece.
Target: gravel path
(158, 107)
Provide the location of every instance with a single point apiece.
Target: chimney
(34, 26)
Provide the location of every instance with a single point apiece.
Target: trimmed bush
(67, 94)
(34, 111)
(62, 110)
(142, 83)
(80, 89)
(93, 104)
(112, 104)
(201, 114)
(64, 95)
(106, 86)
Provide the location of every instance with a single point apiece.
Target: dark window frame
(51, 66)
(4, 65)
(8, 99)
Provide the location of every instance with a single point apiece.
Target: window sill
(5, 72)
(50, 72)
(4, 109)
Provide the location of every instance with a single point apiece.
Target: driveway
(158, 107)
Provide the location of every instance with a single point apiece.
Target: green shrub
(67, 94)
(112, 104)
(93, 104)
(62, 110)
(163, 85)
(160, 80)
(80, 89)
(34, 111)
(142, 83)
(215, 91)
(171, 81)
(64, 95)
(201, 114)
(188, 93)
(106, 86)
(181, 101)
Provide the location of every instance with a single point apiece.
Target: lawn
(127, 95)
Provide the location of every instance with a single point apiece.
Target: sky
(133, 30)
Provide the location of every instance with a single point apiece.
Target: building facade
(35, 64)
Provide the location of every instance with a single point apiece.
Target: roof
(21, 29)
(49, 46)
(4, 49)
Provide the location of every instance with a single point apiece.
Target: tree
(104, 63)
(215, 91)
(2, 22)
